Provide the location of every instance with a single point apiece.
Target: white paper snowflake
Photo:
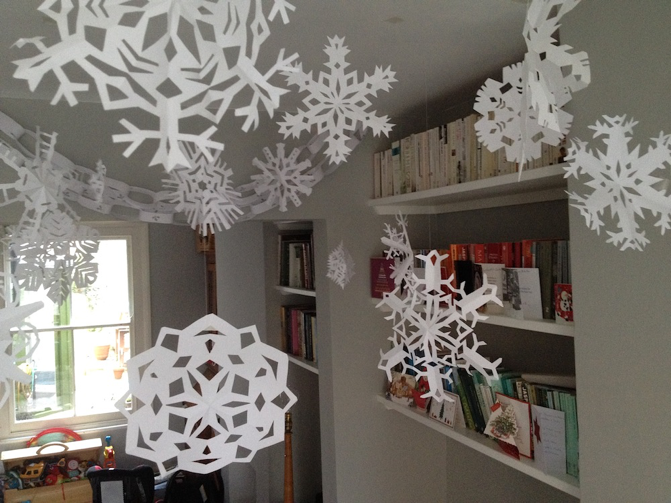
(433, 326)
(554, 72)
(15, 348)
(203, 192)
(174, 59)
(508, 121)
(340, 266)
(207, 396)
(623, 181)
(399, 249)
(282, 178)
(55, 264)
(337, 102)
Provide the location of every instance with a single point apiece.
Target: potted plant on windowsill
(118, 372)
(101, 352)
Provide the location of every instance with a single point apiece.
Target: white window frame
(140, 327)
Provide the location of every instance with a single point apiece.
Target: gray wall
(623, 346)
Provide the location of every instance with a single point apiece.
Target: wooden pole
(288, 461)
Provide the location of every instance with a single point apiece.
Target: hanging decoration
(622, 180)
(337, 102)
(282, 178)
(340, 266)
(202, 190)
(15, 348)
(523, 111)
(174, 59)
(433, 325)
(399, 250)
(206, 396)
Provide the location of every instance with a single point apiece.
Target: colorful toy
(53, 435)
(108, 454)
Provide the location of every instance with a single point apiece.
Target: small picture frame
(443, 411)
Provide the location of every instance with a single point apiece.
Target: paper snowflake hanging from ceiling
(174, 59)
(554, 72)
(433, 326)
(340, 266)
(55, 264)
(337, 102)
(399, 249)
(203, 191)
(207, 396)
(15, 347)
(282, 178)
(622, 181)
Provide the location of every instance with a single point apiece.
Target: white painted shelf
(535, 185)
(545, 326)
(288, 290)
(486, 446)
(302, 362)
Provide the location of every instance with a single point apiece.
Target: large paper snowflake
(400, 250)
(207, 396)
(55, 264)
(554, 71)
(203, 191)
(340, 266)
(623, 181)
(508, 121)
(433, 325)
(15, 347)
(337, 102)
(174, 59)
(282, 178)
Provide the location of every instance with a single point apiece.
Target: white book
(522, 298)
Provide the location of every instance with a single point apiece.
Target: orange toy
(108, 454)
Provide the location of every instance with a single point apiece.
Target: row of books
(533, 277)
(296, 260)
(299, 331)
(445, 155)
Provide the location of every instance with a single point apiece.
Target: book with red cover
(494, 255)
(480, 253)
(380, 276)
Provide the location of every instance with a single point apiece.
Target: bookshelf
(539, 188)
(485, 446)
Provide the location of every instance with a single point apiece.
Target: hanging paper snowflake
(67, 257)
(509, 122)
(203, 192)
(282, 178)
(174, 59)
(340, 266)
(15, 348)
(623, 181)
(337, 102)
(207, 396)
(400, 250)
(554, 73)
(433, 328)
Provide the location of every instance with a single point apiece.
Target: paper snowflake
(207, 396)
(340, 266)
(554, 72)
(623, 181)
(55, 264)
(433, 325)
(17, 347)
(400, 250)
(203, 192)
(508, 121)
(337, 102)
(282, 178)
(174, 59)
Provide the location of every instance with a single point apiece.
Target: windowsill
(19, 438)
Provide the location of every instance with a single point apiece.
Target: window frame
(140, 326)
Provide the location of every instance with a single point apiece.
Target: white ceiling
(441, 51)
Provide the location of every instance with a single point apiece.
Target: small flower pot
(101, 352)
(118, 372)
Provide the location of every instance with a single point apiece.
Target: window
(78, 369)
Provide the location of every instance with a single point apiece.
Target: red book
(480, 253)
(494, 253)
(527, 253)
(507, 254)
(380, 276)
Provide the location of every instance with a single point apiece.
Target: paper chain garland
(622, 181)
(524, 109)
(340, 266)
(208, 395)
(433, 324)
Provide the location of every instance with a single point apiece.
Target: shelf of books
(534, 185)
(287, 290)
(486, 446)
(303, 363)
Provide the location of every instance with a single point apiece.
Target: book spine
(398, 178)
(468, 414)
